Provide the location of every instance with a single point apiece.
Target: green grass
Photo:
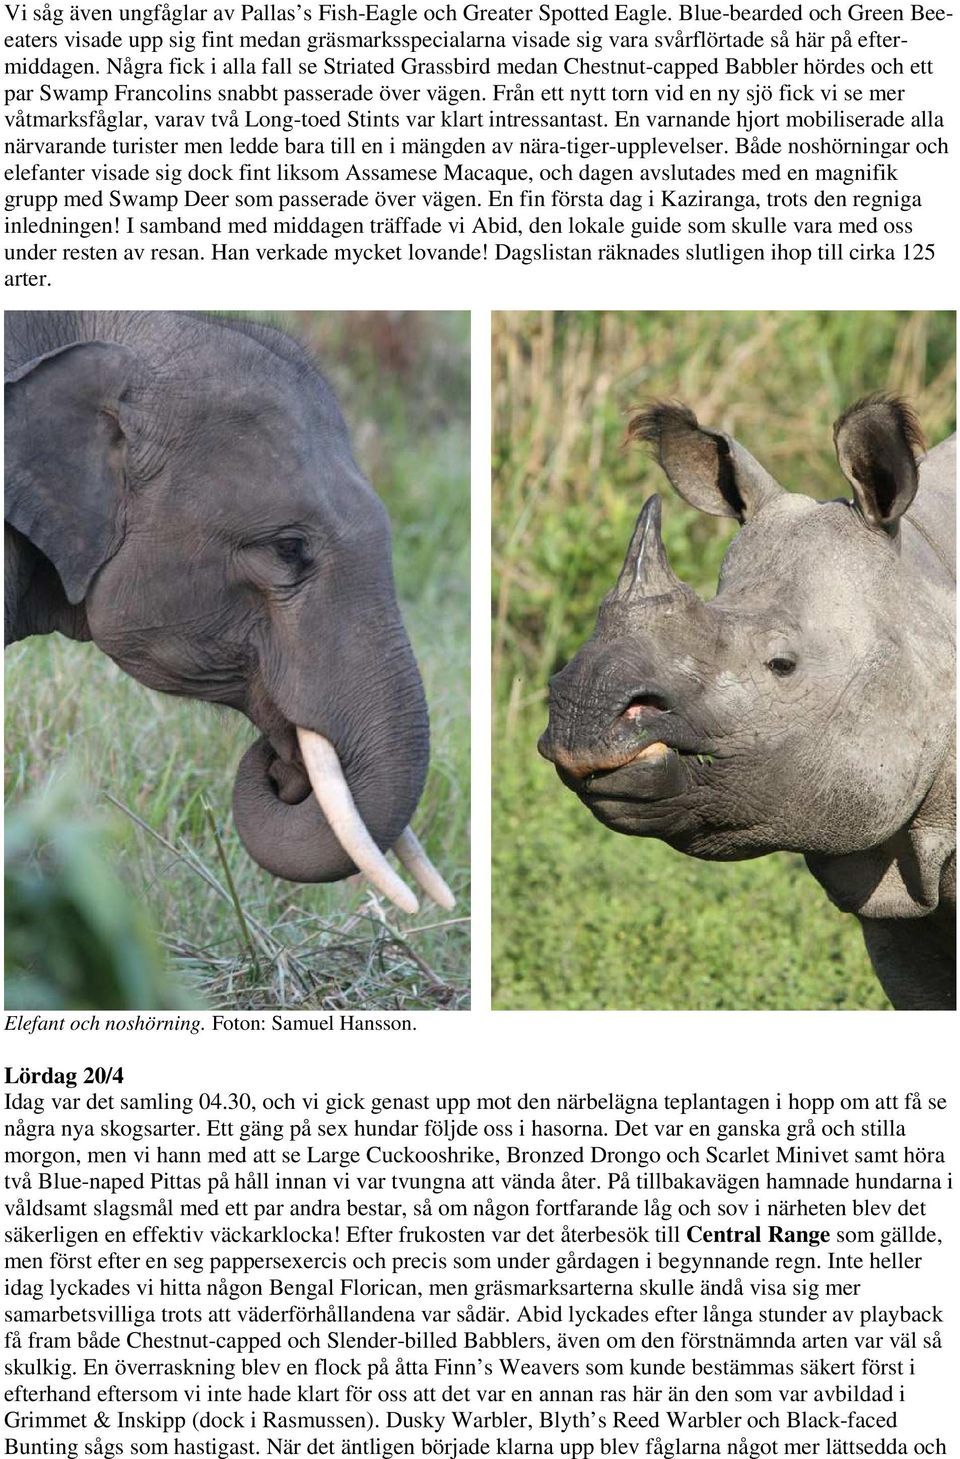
(403, 384)
(584, 918)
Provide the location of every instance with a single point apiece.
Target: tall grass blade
(212, 822)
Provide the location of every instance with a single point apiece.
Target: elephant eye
(293, 550)
(781, 666)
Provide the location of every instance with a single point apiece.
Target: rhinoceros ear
(878, 444)
(711, 471)
(65, 455)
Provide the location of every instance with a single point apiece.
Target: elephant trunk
(346, 785)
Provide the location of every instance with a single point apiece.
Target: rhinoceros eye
(781, 666)
(293, 550)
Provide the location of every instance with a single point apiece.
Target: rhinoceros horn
(646, 573)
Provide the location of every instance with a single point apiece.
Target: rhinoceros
(808, 706)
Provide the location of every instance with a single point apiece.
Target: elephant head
(187, 493)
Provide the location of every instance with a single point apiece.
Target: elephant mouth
(289, 779)
(320, 833)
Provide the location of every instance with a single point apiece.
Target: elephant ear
(66, 451)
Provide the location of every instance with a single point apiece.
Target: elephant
(810, 705)
(181, 490)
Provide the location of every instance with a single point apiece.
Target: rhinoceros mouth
(653, 756)
(584, 766)
(591, 770)
(652, 775)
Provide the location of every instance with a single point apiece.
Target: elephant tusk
(412, 855)
(333, 795)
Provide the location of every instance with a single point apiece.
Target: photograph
(724, 628)
(237, 668)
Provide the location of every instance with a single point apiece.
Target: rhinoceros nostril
(644, 705)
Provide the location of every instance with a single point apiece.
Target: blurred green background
(584, 918)
(105, 778)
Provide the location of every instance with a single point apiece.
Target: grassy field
(584, 918)
(152, 764)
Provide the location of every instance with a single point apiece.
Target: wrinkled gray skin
(182, 491)
(810, 705)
